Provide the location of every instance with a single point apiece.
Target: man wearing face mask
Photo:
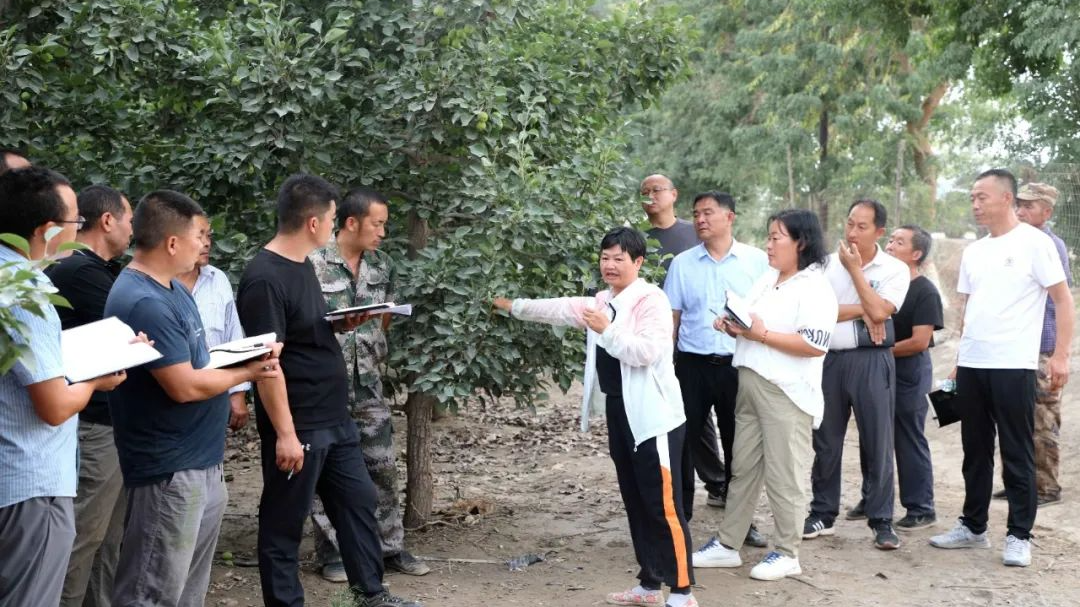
(353, 272)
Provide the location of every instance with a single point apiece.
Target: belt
(721, 360)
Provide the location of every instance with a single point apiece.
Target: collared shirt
(1049, 332)
(84, 279)
(38, 459)
(888, 277)
(213, 296)
(803, 304)
(697, 286)
(365, 347)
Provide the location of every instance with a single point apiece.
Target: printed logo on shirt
(817, 337)
(874, 284)
(1008, 262)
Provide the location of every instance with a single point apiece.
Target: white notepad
(102, 347)
(241, 350)
(373, 309)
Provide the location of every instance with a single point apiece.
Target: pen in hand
(305, 447)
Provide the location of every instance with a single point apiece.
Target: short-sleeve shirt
(888, 277)
(1005, 278)
(803, 304)
(84, 279)
(36, 459)
(364, 348)
(155, 435)
(674, 239)
(922, 306)
(697, 287)
(217, 309)
(280, 295)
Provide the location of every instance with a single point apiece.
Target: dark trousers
(707, 462)
(649, 481)
(914, 377)
(1002, 402)
(707, 385)
(334, 468)
(859, 380)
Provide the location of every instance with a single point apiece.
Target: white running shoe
(1017, 552)
(960, 537)
(776, 566)
(715, 554)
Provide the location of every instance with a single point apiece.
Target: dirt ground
(512, 482)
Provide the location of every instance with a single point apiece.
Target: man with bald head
(1004, 280)
(11, 159)
(675, 236)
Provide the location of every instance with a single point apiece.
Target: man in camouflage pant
(353, 272)
(1035, 205)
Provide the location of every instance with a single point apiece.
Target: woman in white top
(779, 357)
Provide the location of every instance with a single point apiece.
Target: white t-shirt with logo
(1005, 278)
(888, 277)
(802, 304)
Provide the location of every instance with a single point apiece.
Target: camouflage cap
(1038, 191)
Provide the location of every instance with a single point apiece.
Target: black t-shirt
(84, 279)
(608, 372)
(280, 295)
(674, 239)
(922, 306)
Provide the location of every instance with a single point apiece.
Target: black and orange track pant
(650, 480)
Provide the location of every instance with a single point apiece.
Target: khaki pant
(772, 447)
(1047, 432)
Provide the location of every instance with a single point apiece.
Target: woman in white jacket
(629, 358)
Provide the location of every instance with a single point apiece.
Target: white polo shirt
(803, 304)
(888, 277)
(1005, 278)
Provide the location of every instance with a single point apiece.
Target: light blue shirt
(213, 296)
(697, 284)
(36, 459)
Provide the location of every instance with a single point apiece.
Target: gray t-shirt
(675, 239)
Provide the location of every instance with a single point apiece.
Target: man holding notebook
(169, 420)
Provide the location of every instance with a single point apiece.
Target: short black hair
(723, 199)
(161, 214)
(356, 203)
(804, 228)
(95, 201)
(1003, 174)
(29, 199)
(880, 214)
(628, 239)
(920, 240)
(301, 197)
(4, 152)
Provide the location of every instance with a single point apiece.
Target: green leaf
(333, 35)
(16, 241)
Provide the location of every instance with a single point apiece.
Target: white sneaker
(1017, 552)
(776, 566)
(960, 537)
(715, 554)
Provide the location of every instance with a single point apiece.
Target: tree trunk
(790, 178)
(823, 170)
(419, 492)
(899, 179)
(922, 150)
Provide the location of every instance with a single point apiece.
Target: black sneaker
(917, 521)
(814, 526)
(403, 562)
(1047, 500)
(756, 538)
(717, 500)
(1000, 495)
(384, 599)
(857, 513)
(884, 536)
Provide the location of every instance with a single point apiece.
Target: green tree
(493, 124)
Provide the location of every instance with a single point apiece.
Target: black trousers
(334, 468)
(705, 386)
(649, 481)
(914, 470)
(1002, 402)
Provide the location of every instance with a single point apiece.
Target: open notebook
(241, 350)
(379, 308)
(102, 347)
(738, 310)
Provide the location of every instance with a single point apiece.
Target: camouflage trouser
(1047, 432)
(372, 417)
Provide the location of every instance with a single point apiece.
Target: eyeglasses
(79, 222)
(649, 193)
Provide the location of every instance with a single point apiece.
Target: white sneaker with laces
(715, 554)
(776, 566)
(1017, 552)
(960, 537)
